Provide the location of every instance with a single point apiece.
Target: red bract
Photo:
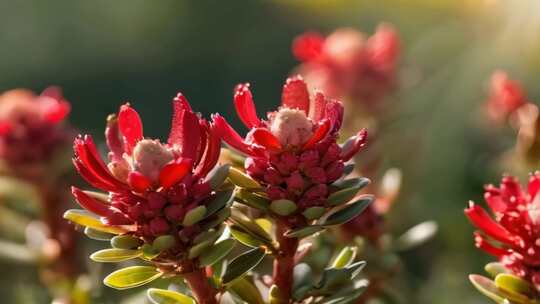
(347, 65)
(151, 185)
(293, 153)
(505, 96)
(31, 126)
(513, 235)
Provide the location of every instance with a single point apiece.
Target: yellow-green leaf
(163, 296)
(130, 277)
(87, 219)
(113, 255)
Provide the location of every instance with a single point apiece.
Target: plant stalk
(284, 262)
(202, 290)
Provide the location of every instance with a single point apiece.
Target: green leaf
(87, 219)
(302, 280)
(126, 242)
(163, 296)
(343, 196)
(496, 268)
(513, 283)
(253, 200)
(347, 213)
(194, 215)
(486, 287)
(130, 277)
(163, 242)
(417, 235)
(314, 213)
(333, 278)
(245, 238)
(149, 252)
(97, 235)
(242, 264)
(275, 296)
(250, 226)
(219, 201)
(345, 257)
(196, 250)
(348, 169)
(211, 234)
(113, 255)
(283, 207)
(242, 180)
(348, 294)
(218, 175)
(217, 219)
(357, 182)
(216, 252)
(304, 231)
(244, 289)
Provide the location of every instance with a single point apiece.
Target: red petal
(318, 110)
(359, 141)
(230, 136)
(138, 181)
(91, 178)
(213, 150)
(203, 142)
(308, 46)
(266, 139)
(89, 203)
(481, 243)
(295, 94)
(5, 128)
(57, 111)
(130, 126)
(534, 184)
(116, 219)
(334, 112)
(191, 135)
(174, 172)
(113, 138)
(481, 220)
(319, 134)
(243, 101)
(180, 105)
(53, 92)
(495, 202)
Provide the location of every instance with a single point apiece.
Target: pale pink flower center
(149, 156)
(291, 126)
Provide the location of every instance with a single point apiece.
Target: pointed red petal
(308, 46)
(483, 244)
(295, 94)
(91, 178)
(174, 172)
(204, 127)
(130, 126)
(211, 155)
(358, 142)
(180, 106)
(89, 203)
(481, 220)
(191, 135)
(334, 112)
(320, 133)
(116, 219)
(243, 101)
(318, 110)
(5, 127)
(138, 181)
(495, 202)
(230, 136)
(113, 138)
(57, 111)
(266, 139)
(534, 184)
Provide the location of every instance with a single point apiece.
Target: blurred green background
(103, 53)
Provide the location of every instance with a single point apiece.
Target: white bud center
(149, 156)
(291, 127)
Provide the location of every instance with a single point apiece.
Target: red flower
(346, 64)
(506, 96)
(31, 127)
(513, 235)
(293, 153)
(151, 185)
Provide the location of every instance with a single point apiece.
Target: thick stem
(199, 285)
(284, 262)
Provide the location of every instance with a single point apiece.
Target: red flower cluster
(346, 64)
(293, 153)
(31, 126)
(516, 227)
(151, 185)
(506, 96)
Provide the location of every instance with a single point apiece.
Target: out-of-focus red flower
(293, 153)
(346, 64)
(31, 126)
(505, 96)
(513, 234)
(151, 185)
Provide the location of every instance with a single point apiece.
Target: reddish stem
(199, 285)
(284, 262)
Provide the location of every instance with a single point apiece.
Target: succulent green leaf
(217, 219)
(348, 212)
(417, 235)
(130, 277)
(218, 175)
(304, 231)
(250, 226)
(283, 207)
(345, 257)
(196, 250)
(242, 264)
(333, 278)
(245, 238)
(126, 242)
(344, 195)
(357, 182)
(87, 219)
(163, 242)
(97, 235)
(163, 296)
(302, 280)
(219, 201)
(495, 268)
(244, 289)
(194, 215)
(253, 200)
(242, 180)
(513, 283)
(275, 296)
(149, 252)
(348, 169)
(216, 252)
(314, 213)
(487, 287)
(113, 255)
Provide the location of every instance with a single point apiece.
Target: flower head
(293, 153)
(505, 96)
(154, 188)
(347, 64)
(513, 235)
(31, 126)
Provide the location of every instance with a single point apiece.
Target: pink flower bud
(295, 182)
(316, 174)
(273, 177)
(174, 213)
(316, 191)
(309, 159)
(159, 226)
(275, 193)
(334, 171)
(156, 201)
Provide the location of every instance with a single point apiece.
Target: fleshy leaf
(345, 257)
(246, 290)
(85, 218)
(486, 287)
(216, 252)
(242, 180)
(163, 296)
(130, 277)
(347, 213)
(218, 175)
(253, 200)
(125, 242)
(417, 235)
(242, 264)
(304, 231)
(283, 207)
(219, 201)
(194, 215)
(113, 255)
(97, 235)
(163, 242)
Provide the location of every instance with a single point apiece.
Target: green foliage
(113, 255)
(242, 264)
(163, 296)
(133, 276)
